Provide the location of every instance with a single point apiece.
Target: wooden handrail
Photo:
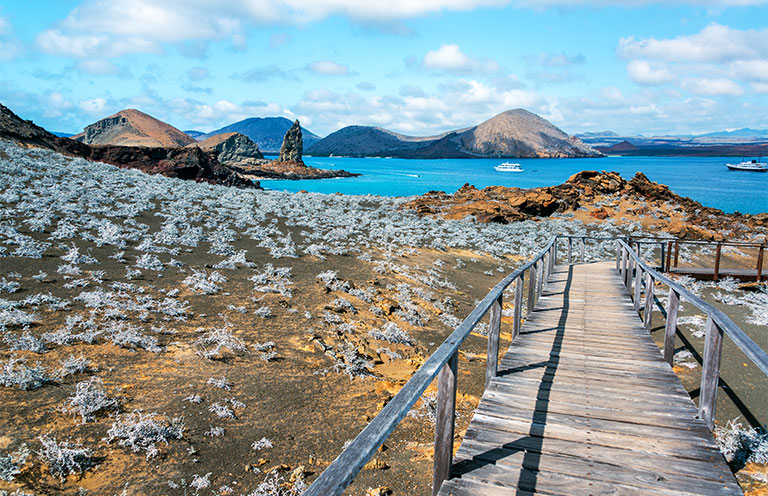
(443, 361)
(718, 324)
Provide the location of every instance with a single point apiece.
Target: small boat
(509, 167)
(752, 165)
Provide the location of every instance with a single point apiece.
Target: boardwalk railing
(673, 255)
(635, 273)
(443, 361)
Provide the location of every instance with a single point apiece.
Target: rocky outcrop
(591, 196)
(514, 133)
(272, 169)
(232, 149)
(183, 163)
(291, 150)
(131, 127)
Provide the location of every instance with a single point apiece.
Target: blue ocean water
(705, 179)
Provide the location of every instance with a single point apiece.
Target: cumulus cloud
(450, 58)
(712, 87)
(696, 63)
(328, 68)
(715, 43)
(641, 72)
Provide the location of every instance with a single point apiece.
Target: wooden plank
(542, 472)
(619, 392)
(444, 423)
(649, 461)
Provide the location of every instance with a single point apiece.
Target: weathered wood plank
(444, 423)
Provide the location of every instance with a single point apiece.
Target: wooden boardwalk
(584, 404)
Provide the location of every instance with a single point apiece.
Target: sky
(418, 67)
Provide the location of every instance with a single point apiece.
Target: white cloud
(449, 57)
(94, 106)
(712, 87)
(715, 43)
(328, 68)
(641, 72)
(756, 70)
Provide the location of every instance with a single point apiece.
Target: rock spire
(292, 145)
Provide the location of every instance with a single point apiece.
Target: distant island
(740, 142)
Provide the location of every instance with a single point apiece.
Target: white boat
(752, 165)
(509, 167)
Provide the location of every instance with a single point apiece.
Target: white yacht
(509, 167)
(752, 165)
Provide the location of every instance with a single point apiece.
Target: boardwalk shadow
(530, 445)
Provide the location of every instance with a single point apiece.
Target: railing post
(583, 248)
(570, 250)
(540, 277)
(669, 256)
(624, 256)
(677, 252)
(662, 256)
(638, 287)
(671, 327)
(531, 289)
(518, 313)
(492, 361)
(648, 310)
(713, 348)
(444, 423)
(554, 251)
(628, 274)
(760, 263)
(716, 275)
(619, 251)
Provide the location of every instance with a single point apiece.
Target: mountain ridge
(514, 133)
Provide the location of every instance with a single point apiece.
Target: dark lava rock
(292, 145)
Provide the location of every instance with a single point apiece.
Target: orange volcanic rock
(131, 127)
(592, 196)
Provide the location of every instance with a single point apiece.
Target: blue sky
(413, 66)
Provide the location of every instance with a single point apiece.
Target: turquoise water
(705, 179)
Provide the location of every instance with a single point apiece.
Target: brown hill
(131, 127)
(519, 133)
